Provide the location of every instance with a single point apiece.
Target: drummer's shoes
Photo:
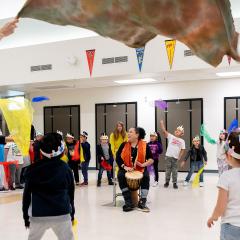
(128, 207)
(142, 205)
(175, 186)
(166, 184)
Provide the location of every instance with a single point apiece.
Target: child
(48, 198)
(175, 150)
(228, 204)
(73, 163)
(87, 157)
(104, 153)
(221, 153)
(156, 149)
(36, 146)
(15, 160)
(198, 157)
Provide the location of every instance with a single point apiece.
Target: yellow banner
(170, 47)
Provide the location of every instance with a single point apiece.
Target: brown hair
(234, 142)
(116, 132)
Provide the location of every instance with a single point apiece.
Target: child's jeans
(194, 165)
(229, 232)
(85, 171)
(100, 173)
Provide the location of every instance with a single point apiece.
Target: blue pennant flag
(140, 55)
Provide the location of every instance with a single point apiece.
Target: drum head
(134, 175)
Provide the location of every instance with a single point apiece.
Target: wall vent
(188, 53)
(112, 60)
(41, 68)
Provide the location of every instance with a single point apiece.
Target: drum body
(134, 180)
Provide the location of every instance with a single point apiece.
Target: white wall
(213, 93)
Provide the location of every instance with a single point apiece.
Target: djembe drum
(134, 180)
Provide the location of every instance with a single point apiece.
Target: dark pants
(155, 165)
(85, 171)
(100, 173)
(194, 165)
(145, 184)
(74, 166)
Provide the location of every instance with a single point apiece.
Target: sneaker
(110, 183)
(186, 183)
(175, 186)
(128, 208)
(3, 190)
(201, 184)
(84, 184)
(142, 205)
(166, 184)
(19, 187)
(155, 184)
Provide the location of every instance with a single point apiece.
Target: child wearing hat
(222, 153)
(198, 158)
(156, 149)
(87, 157)
(175, 151)
(105, 159)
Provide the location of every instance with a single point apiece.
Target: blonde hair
(116, 132)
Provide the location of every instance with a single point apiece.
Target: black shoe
(166, 184)
(175, 186)
(142, 205)
(3, 190)
(98, 184)
(12, 188)
(19, 187)
(110, 183)
(128, 207)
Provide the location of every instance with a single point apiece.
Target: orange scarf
(141, 155)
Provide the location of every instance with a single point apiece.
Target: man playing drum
(133, 156)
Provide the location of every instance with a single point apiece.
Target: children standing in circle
(221, 153)
(156, 149)
(228, 203)
(198, 157)
(104, 156)
(175, 151)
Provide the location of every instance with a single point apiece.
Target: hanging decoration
(140, 56)
(170, 47)
(90, 59)
(205, 134)
(18, 116)
(161, 104)
(40, 99)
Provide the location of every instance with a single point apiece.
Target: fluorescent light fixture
(134, 81)
(228, 74)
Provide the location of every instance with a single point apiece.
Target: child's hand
(205, 163)
(183, 164)
(140, 164)
(210, 222)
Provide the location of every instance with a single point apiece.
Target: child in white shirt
(228, 204)
(175, 150)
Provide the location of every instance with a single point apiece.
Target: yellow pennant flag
(196, 181)
(18, 114)
(82, 159)
(170, 47)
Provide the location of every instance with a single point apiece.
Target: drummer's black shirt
(119, 160)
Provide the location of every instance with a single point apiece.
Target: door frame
(225, 107)
(62, 106)
(105, 121)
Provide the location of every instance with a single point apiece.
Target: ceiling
(32, 32)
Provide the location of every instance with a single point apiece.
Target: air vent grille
(41, 68)
(112, 60)
(188, 53)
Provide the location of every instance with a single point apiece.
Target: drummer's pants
(124, 187)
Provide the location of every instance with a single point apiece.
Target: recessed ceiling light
(133, 81)
(228, 74)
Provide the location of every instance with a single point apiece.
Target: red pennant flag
(229, 60)
(90, 58)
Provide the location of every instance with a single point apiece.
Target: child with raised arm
(175, 151)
